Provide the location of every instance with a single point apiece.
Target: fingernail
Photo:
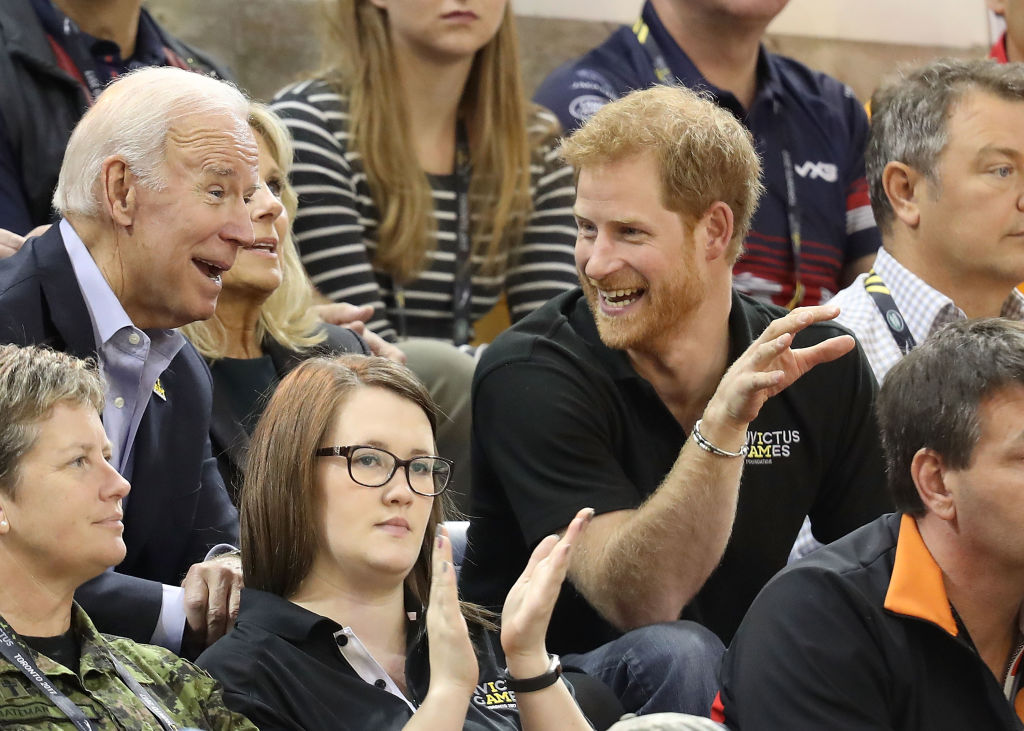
(590, 514)
(444, 567)
(440, 541)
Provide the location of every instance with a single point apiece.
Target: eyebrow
(381, 445)
(1004, 151)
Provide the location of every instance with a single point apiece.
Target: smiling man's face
(636, 258)
(186, 234)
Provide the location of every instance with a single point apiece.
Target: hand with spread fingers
(213, 591)
(767, 367)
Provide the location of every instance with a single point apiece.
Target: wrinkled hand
(354, 318)
(769, 365)
(213, 591)
(452, 659)
(528, 606)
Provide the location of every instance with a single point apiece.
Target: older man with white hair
(153, 193)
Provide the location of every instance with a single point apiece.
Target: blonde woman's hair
(358, 60)
(704, 153)
(286, 315)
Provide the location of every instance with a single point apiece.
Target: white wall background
(951, 23)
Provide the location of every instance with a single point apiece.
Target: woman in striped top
(421, 116)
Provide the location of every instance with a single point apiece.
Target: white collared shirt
(924, 309)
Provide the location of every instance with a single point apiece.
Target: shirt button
(119, 402)
(342, 640)
(134, 338)
(380, 683)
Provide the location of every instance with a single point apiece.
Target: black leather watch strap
(538, 682)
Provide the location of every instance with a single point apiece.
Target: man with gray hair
(945, 167)
(913, 622)
(153, 193)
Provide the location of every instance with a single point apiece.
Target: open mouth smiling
(210, 269)
(619, 298)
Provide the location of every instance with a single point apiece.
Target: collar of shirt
(690, 76)
(316, 634)
(105, 310)
(131, 359)
(925, 309)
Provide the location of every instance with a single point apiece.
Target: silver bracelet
(707, 446)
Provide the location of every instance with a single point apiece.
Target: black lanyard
(665, 76)
(882, 297)
(462, 287)
(15, 651)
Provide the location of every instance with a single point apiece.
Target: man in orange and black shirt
(912, 622)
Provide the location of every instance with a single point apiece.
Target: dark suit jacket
(228, 436)
(177, 508)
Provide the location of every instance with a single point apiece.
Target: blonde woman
(427, 183)
(263, 326)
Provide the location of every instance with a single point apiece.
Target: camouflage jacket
(191, 697)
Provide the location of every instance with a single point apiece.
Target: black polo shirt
(282, 667)
(861, 635)
(561, 422)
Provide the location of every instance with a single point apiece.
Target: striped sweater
(336, 226)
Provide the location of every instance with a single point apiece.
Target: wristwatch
(538, 682)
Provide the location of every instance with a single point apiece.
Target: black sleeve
(547, 439)
(852, 490)
(123, 605)
(216, 519)
(807, 656)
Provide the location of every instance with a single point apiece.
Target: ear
(119, 188)
(714, 230)
(930, 476)
(5, 527)
(903, 187)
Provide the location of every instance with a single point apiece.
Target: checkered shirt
(924, 310)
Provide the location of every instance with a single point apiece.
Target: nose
(237, 228)
(264, 207)
(397, 490)
(115, 486)
(601, 258)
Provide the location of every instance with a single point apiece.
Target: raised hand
(770, 364)
(452, 660)
(528, 606)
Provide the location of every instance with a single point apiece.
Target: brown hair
(704, 153)
(494, 107)
(931, 398)
(280, 529)
(33, 380)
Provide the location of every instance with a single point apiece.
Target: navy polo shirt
(579, 427)
(813, 116)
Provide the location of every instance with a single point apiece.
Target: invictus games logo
(494, 695)
(763, 447)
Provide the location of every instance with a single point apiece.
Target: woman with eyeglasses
(350, 618)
